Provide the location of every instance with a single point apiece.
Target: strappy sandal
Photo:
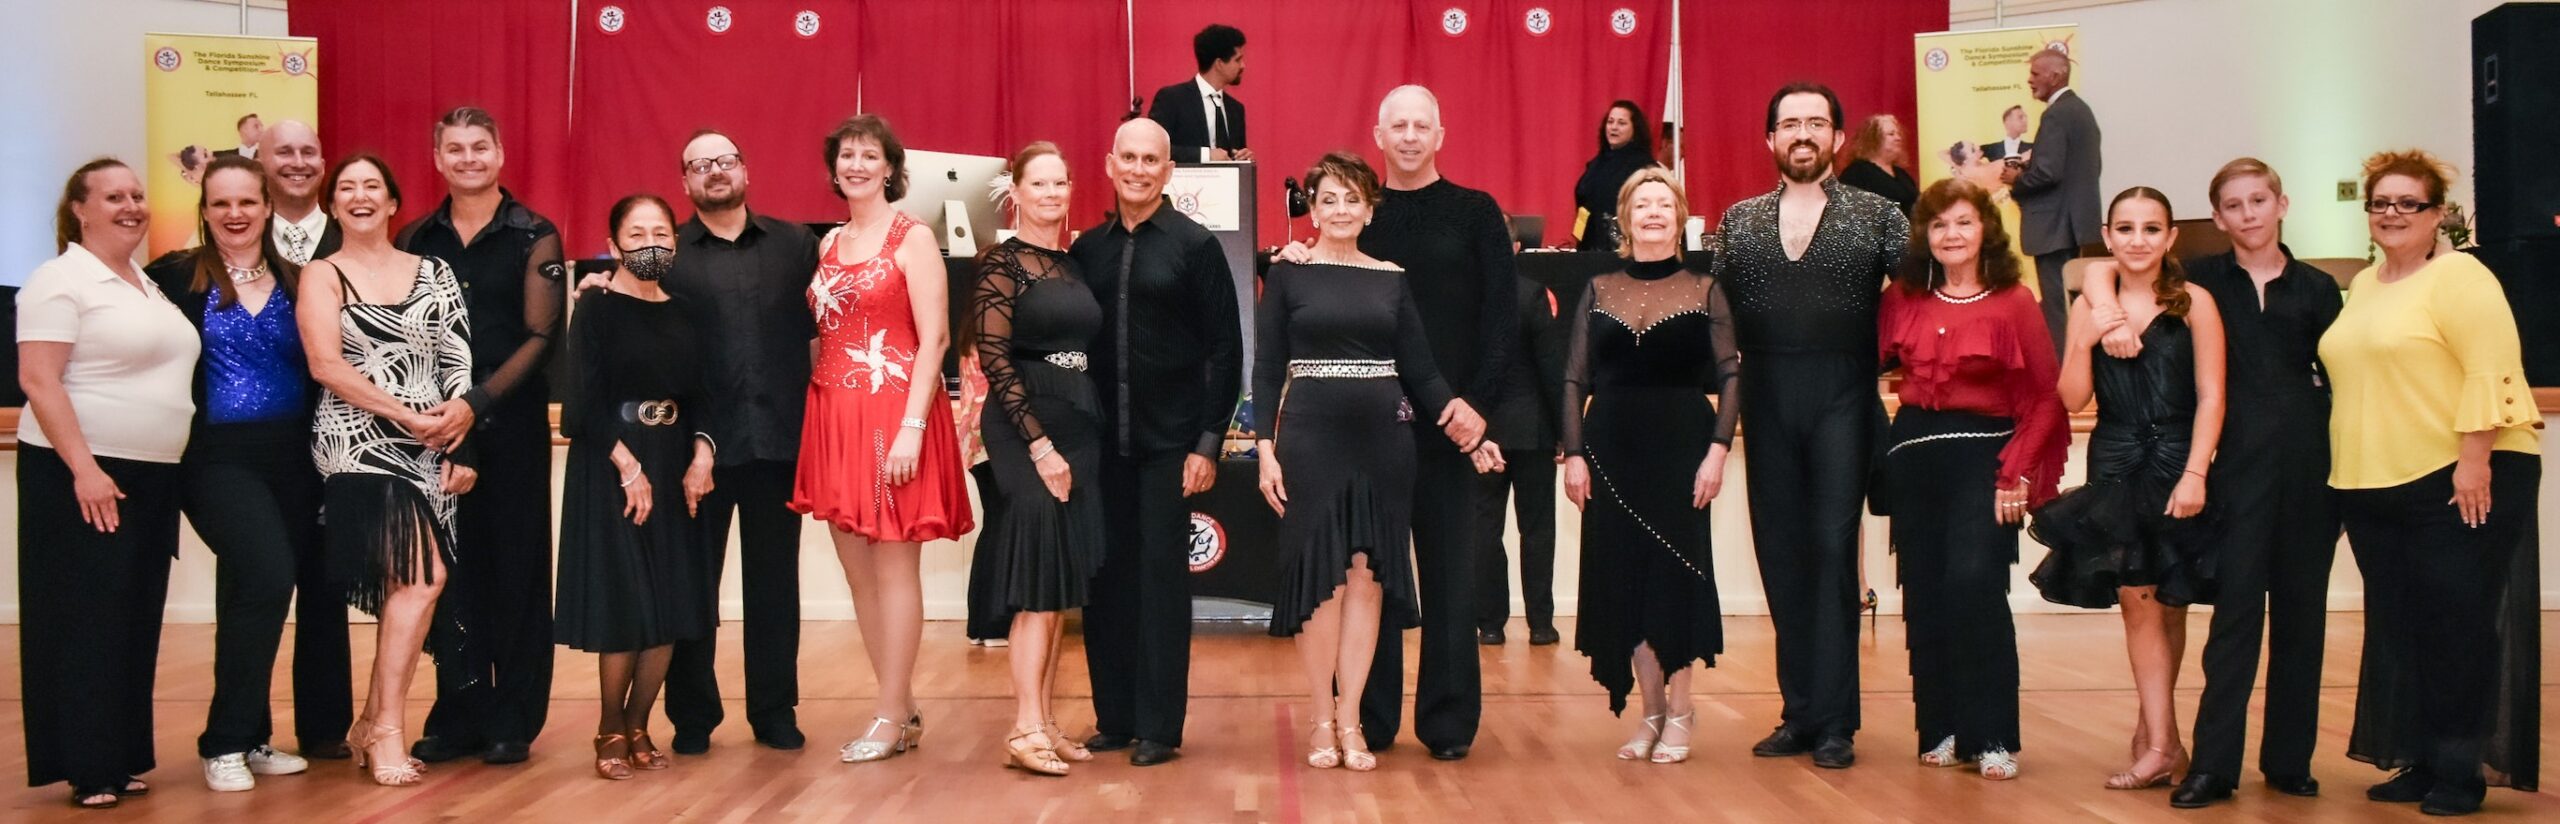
(1640, 748)
(1037, 757)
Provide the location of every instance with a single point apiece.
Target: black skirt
(378, 530)
(1648, 573)
(1041, 553)
(626, 587)
(1347, 462)
(2115, 531)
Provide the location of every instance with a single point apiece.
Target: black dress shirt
(1892, 184)
(1170, 357)
(514, 287)
(1533, 390)
(1825, 301)
(748, 299)
(1456, 252)
(2274, 346)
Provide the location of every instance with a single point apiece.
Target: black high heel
(1869, 606)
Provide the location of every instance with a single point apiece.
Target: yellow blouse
(2416, 364)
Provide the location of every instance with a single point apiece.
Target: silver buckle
(1066, 360)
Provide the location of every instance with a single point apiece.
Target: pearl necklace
(1942, 295)
(246, 276)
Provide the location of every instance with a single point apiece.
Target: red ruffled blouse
(1987, 357)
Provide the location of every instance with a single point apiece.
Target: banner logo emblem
(719, 19)
(1208, 542)
(1453, 22)
(167, 58)
(610, 19)
(1623, 22)
(805, 23)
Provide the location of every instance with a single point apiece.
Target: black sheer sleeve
(1000, 283)
(546, 300)
(1728, 374)
(1414, 366)
(1577, 372)
(1271, 350)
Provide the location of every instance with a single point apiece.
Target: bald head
(1141, 162)
(291, 155)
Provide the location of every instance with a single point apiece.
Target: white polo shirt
(133, 357)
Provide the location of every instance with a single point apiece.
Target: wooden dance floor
(1544, 755)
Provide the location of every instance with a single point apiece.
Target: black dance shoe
(1783, 742)
(781, 737)
(1490, 636)
(1543, 636)
(2410, 786)
(1452, 752)
(2453, 799)
(2200, 790)
(1834, 753)
(1149, 753)
(1106, 742)
(438, 749)
(506, 752)
(2296, 785)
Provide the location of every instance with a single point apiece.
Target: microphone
(1297, 197)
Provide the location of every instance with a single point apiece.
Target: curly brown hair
(1997, 264)
(2170, 288)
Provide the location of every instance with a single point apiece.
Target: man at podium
(1206, 123)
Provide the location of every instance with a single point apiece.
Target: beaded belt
(1066, 360)
(1947, 436)
(650, 413)
(1342, 369)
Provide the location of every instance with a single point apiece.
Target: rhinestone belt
(1342, 369)
(1066, 360)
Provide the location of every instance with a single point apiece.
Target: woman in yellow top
(2434, 457)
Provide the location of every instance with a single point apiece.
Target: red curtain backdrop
(644, 89)
(1735, 53)
(1524, 85)
(396, 65)
(988, 78)
(1314, 71)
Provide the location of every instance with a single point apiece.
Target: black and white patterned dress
(384, 488)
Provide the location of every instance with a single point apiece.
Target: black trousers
(989, 617)
(2278, 540)
(1953, 559)
(502, 587)
(1448, 693)
(1529, 487)
(253, 496)
(2055, 300)
(2451, 662)
(89, 607)
(1137, 627)
(1812, 421)
(755, 495)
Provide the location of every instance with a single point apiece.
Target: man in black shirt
(1805, 267)
(508, 260)
(742, 277)
(1455, 248)
(1169, 362)
(1526, 427)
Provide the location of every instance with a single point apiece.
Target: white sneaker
(229, 773)
(265, 760)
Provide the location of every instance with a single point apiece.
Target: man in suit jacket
(2014, 122)
(1206, 123)
(301, 225)
(251, 130)
(1524, 422)
(2057, 190)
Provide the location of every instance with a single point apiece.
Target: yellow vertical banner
(1977, 118)
(212, 95)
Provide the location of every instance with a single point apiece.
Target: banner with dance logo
(1977, 118)
(211, 95)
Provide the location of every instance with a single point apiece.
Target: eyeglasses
(2406, 206)
(1805, 126)
(703, 166)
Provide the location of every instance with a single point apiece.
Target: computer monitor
(934, 177)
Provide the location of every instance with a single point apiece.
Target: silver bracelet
(633, 478)
(1044, 451)
(912, 423)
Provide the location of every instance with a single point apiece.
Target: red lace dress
(858, 395)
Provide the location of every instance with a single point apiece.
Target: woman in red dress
(879, 461)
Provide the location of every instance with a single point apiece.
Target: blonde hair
(1627, 194)
(2237, 169)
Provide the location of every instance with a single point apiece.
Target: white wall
(2309, 86)
(76, 93)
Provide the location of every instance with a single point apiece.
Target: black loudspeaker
(2529, 268)
(2515, 121)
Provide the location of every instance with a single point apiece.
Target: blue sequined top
(254, 368)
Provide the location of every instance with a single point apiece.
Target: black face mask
(649, 262)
